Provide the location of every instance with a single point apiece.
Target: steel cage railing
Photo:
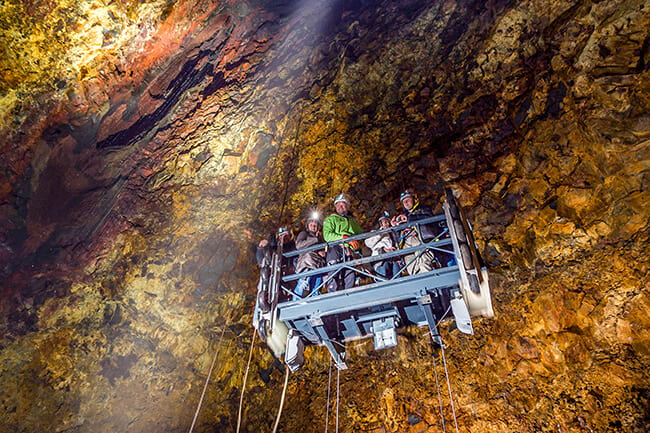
(356, 265)
(363, 236)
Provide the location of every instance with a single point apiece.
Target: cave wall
(147, 146)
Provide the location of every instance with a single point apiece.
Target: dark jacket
(309, 260)
(420, 212)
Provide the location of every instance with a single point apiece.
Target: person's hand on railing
(263, 243)
(398, 219)
(353, 245)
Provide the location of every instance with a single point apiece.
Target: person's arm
(259, 256)
(330, 232)
(302, 236)
(304, 240)
(384, 245)
(372, 241)
(352, 228)
(262, 248)
(355, 227)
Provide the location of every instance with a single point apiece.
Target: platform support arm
(427, 308)
(337, 355)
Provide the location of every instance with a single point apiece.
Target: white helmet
(341, 198)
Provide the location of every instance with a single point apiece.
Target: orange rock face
(146, 147)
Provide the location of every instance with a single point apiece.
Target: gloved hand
(353, 245)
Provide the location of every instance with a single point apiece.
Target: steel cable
(248, 365)
(451, 398)
(338, 391)
(435, 374)
(284, 392)
(327, 407)
(207, 380)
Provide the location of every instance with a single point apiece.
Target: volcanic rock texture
(146, 146)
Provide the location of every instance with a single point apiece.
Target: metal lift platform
(456, 289)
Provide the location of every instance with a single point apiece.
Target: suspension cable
(327, 407)
(207, 380)
(338, 393)
(292, 164)
(435, 374)
(284, 392)
(451, 398)
(248, 365)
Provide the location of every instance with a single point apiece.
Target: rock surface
(147, 146)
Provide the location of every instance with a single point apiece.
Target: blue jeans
(388, 269)
(306, 286)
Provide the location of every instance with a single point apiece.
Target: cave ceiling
(147, 146)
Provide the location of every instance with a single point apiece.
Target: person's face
(284, 237)
(384, 224)
(408, 203)
(341, 207)
(312, 226)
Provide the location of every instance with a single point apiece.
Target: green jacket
(335, 226)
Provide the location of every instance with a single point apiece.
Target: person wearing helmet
(265, 249)
(267, 246)
(414, 211)
(310, 260)
(339, 225)
(383, 243)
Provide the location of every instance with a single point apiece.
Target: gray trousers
(424, 263)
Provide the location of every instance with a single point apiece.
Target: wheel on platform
(263, 302)
(460, 231)
(474, 285)
(466, 254)
(277, 338)
(262, 328)
(453, 207)
(478, 302)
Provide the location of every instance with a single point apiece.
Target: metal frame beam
(319, 329)
(370, 295)
(431, 245)
(426, 305)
